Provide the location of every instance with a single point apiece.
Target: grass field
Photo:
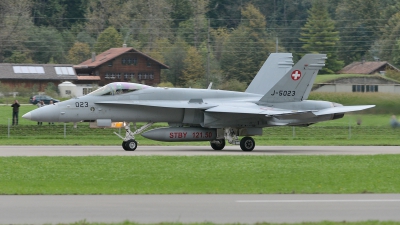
(200, 174)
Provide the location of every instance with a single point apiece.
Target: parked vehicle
(45, 98)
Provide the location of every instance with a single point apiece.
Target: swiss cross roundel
(296, 74)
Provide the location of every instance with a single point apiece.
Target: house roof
(111, 54)
(37, 71)
(365, 67)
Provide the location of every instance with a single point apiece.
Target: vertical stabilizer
(296, 84)
(274, 68)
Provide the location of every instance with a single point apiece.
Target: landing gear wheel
(247, 144)
(123, 145)
(130, 145)
(218, 146)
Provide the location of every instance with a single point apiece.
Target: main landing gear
(247, 144)
(129, 143)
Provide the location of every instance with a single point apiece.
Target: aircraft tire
(123, 145)
(130, 145)
(219, 146)
(247, 144)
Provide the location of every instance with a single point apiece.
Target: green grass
(330, 77)
(200, 174)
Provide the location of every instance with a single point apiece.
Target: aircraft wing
(342, 109)
(161, 103)
(267, 111)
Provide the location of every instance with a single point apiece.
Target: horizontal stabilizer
(342, 109)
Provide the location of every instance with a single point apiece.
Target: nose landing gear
(128, 142)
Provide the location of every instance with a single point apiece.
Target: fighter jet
(276, 97)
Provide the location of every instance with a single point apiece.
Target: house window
(140, 76)
(151, 76)
(132, 75)
(358, 88)
(86, 91)
(118, 76)
(110, 63)
(126, 76)
(148, 63)
(67, 92)
(107, 76)
(145, 76)
(135, 61)
(371, 88)
(123, 61)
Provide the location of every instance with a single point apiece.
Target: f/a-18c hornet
(276, 97)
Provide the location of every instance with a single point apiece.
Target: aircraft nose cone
(49, 113)
(27, 116)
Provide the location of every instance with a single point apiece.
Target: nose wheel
(130, 145)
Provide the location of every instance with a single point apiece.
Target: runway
(41, 209)
(193, 150)
(198, 208)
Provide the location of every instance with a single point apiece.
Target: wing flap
(267, 111)
(342, 109)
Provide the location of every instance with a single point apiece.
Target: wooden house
(120, 64)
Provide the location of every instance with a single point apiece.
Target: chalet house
(120, 64)
(375, 67)
(35, 75)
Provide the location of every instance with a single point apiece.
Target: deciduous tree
(109, 38)
(78, 53)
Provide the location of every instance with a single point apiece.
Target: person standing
(40, 104)
(15, 107)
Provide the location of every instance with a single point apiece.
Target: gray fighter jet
(276, 97)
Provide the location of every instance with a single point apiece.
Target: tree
(15, 21)
(99, 12)
(358, 22)
(174, 57)
(320, 36)
(193, 68)
(60, 14)
(247, 47)
(181, 10)
(109, 38)
(18, 57)
(46, 43)
(78, 53)
(149, 20)
(391, 32)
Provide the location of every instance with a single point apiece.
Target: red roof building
(120, 64)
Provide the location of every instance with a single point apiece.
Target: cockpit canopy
(118, 88)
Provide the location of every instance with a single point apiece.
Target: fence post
(293, 132)
(349, 128)
(65, 130)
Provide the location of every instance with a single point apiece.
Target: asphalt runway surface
(41, 209)
(193, 150)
